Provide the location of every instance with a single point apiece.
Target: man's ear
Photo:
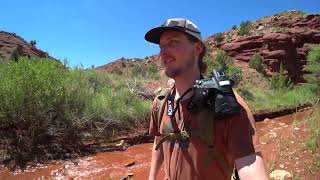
(199, 47)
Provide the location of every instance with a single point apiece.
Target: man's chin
(172, 73)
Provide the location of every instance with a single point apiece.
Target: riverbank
(281, 141)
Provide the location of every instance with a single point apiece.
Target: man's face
(177, 53)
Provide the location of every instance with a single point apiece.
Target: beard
(173, 72)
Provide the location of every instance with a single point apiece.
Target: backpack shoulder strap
(161, 99)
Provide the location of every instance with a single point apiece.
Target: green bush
(245, 28)
(14, 55)
(104, 97)
(119, 107)
(313, 68)
(234, 27)
(224, 62)
(145, 71)
(218, 37)
(261, 99)
(280, 81)
(33, 42)
(257, 63)
(313, 142)
(41, 98)
(29, 89)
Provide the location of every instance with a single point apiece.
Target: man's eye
(171, 43)
(174, 41)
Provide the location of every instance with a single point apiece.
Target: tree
(33, 42)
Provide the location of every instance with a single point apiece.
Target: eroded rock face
(280, 39)
(311, 20)
(10, 42)
(276, 48)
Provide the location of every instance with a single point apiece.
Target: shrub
(14, 55)
(142, 70)
(33, 42)
(119, 107)
(280, 81)
(30, 88)
(224, 62)
(100, 96)
(218, 37)
(263, 98)
(245, 28)
(313, 68)
(40, 98)
(313, 141)
(256, 63)
(234, 27)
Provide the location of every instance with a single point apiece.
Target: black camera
(215, 93)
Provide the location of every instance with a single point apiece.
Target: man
(190, 148)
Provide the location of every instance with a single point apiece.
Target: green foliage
(261, 99)
(218, 37)
(224, 62)
(228, 38)
(234, 27)
(104, 97)
(29, 89)
(138, 69)
(33, 42)
(118, 107)
(280, 81)
(313, 142)
(245, 28)
(257, 63)
(40, 97)
(14, 55)
(313, 68)
(150, 70)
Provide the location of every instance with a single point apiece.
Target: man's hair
(202, 65)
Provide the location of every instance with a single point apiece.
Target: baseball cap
(179, 24)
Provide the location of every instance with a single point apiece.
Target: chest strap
(213, 152)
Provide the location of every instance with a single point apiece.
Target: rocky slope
(11, 43)
(120, 64)
(282, 38)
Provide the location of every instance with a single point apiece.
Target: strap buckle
(184, 135)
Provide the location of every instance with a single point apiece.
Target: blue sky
(96, 32)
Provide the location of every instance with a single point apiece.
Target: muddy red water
(134, 162)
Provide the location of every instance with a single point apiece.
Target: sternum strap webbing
(172, 137)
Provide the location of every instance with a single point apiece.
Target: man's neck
(185, 82)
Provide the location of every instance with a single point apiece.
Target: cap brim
(154, 34)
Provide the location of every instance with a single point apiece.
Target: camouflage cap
(179, 24)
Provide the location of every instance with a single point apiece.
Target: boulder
(280, 175)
